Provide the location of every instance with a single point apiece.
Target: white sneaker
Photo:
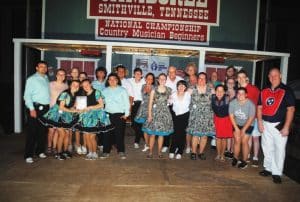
(100, 148)
(42, 155)
(136, 145)
(79, 151)
(178, 156)
(29, 160)
(164, 149)
(95, 155)
(213, 142)
(89, 156)
(83, 150)
(188, 150)
(146, 148)
(171, 156)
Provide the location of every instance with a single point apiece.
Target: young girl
(62, 116)
(142, 112)
(180, 105)
(159, 122)
(201, 123)
(93, 119)
(224, 130)
(56, 87)
(242, 113)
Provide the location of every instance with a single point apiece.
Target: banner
(151, 30)
(167, 21)
(176, 11)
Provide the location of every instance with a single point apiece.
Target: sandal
(149, 156)
(49, 150)
(160, 156)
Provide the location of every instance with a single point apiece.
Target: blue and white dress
(142, 113)
(201, 121)
(161, 124)
(59, 118)
(95, 120)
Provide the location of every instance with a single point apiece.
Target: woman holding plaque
(92, 119)
(62, 116)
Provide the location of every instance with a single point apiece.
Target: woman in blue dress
(142, 112)
(159, 122)
(92, 119)
(63, 116)
(201, 124)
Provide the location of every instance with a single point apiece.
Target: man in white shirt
(172, 80)
(137, 83)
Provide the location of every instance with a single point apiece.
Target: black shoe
(234, 162)
(193, 156)
(67, 154)
(228, 155)
(243, 165)
(265, 173)
(276, 179)
(60, 156)
(202, 156)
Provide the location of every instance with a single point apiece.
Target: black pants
(136, 126)
(178, 138)
(35, 142)
(115, 136)
(99, 139)
(167, 139)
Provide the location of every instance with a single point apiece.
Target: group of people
(181, 113)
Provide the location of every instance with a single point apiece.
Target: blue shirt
(116, 100)
(98, 85)
(37, 90)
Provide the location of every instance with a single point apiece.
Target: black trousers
(136, 126)
(178, 138)
(36, 137)
(115, 136)
(168, 138)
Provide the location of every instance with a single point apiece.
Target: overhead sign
(165, 20)
(171, 32)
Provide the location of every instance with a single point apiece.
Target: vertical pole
(253, 72)
(284, 68)
(108, 58)
(17, 87)
(201, 62)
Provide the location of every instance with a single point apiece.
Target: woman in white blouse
(180, 101)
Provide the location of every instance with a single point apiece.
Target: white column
(201, 63)
(253, 73)
(17, 87)
(284, 68)
(108, 58)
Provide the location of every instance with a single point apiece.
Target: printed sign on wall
(154, 64)
(169, 21)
